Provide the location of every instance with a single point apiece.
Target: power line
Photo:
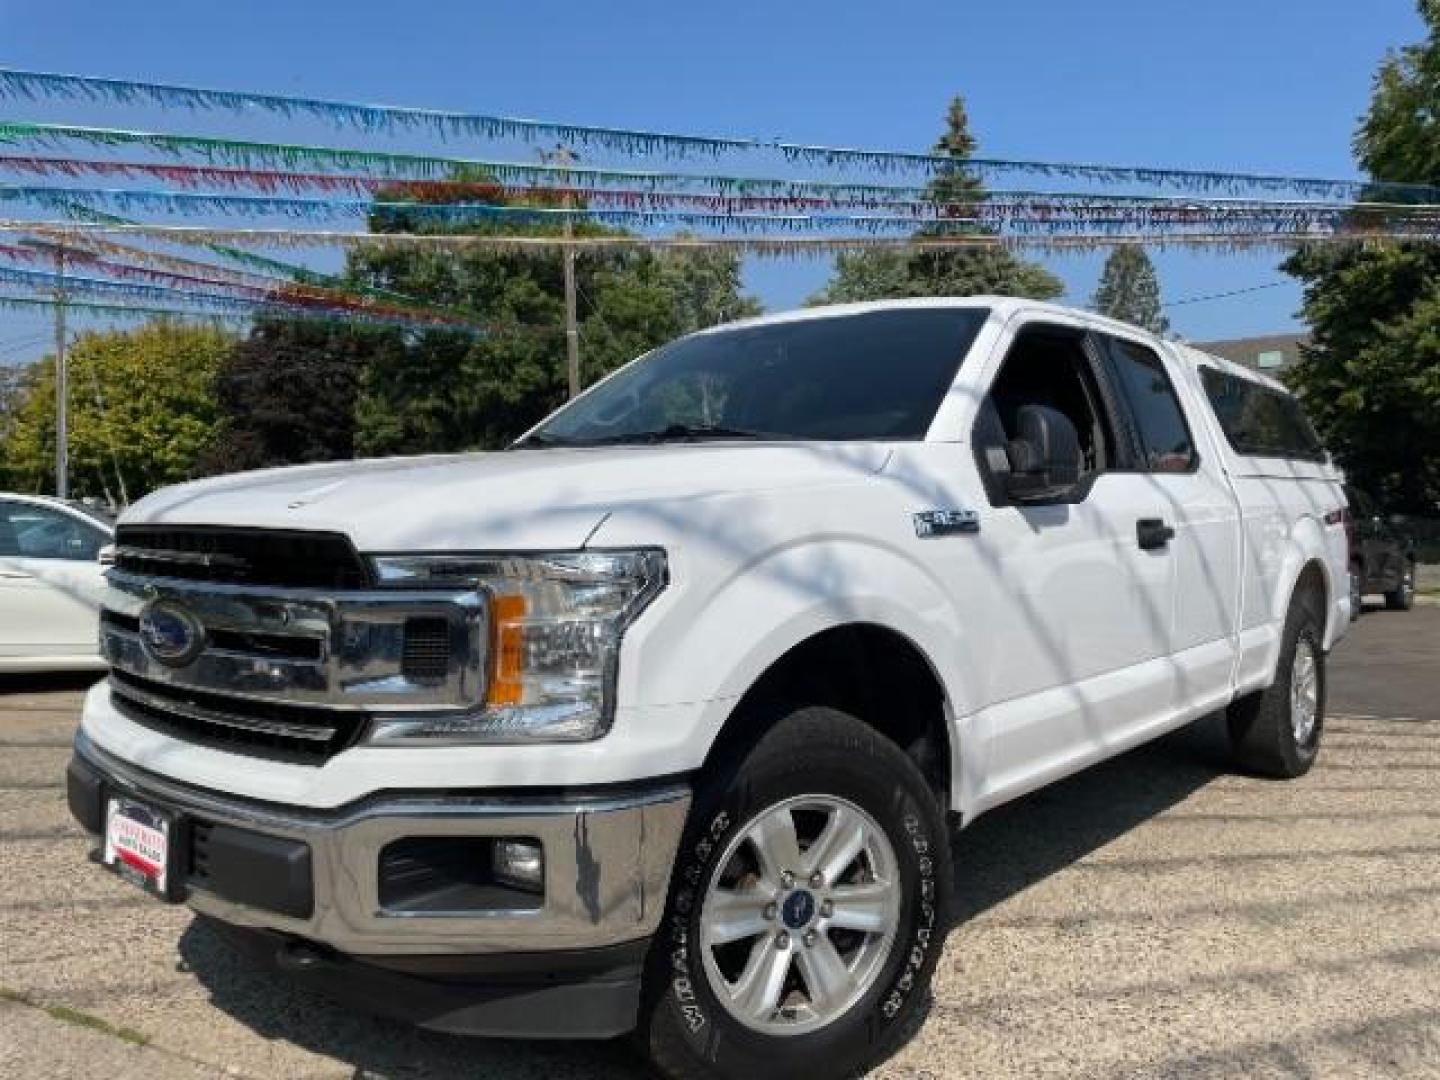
(1226, 295)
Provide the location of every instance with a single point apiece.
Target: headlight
(555, 627)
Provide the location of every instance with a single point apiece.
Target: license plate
(137, 844)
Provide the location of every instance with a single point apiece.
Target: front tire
(807, 910)
(1276, 731)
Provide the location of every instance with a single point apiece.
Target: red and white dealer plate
(137, 844)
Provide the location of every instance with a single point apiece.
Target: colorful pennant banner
(819, 246)
(189, 295)
(242, 314)
(1020, 212)
(451, 125)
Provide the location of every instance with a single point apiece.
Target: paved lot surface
(1158, 916)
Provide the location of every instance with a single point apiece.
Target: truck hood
(517, 499)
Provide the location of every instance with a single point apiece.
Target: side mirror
(1044, 456)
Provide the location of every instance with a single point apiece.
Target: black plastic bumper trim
(571, 994)
(270, 873)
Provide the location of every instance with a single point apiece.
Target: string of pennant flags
(64, 187)
(450, 126)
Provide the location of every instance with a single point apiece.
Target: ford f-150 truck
(658, 720)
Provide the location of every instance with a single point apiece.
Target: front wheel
(807, 912)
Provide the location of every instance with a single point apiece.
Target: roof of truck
(1002, 306)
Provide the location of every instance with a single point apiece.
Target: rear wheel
(1402, 597)
(807, 911)
(1357, 592)
(1276, 731)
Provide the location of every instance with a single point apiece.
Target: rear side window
(1259, 421)
(1165, 442)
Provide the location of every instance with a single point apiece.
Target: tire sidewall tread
(819, 751)
(1262, 737)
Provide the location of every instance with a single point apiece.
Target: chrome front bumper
(608, 858)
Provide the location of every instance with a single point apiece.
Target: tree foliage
(971, 271)
(1130, 291)
(141, 409)
(302, 392)
(287, 393)
(1371, 375)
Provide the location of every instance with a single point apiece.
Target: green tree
(287, 393)
(444, 390)
(1371, 374)
(1129, 290)
(965, 272)
(141, 409)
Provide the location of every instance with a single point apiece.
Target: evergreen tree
(1129, 290)
(963, 272)
(1371, 374)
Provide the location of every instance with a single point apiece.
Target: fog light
(520, 864)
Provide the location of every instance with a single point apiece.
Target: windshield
(877, 375)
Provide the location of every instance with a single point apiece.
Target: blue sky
(1271, 86)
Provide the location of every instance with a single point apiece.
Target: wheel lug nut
(827, 909)
(770, 912)
(817, 879)
(782, 940)
(809, 938)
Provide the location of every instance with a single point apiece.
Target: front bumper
(311, 878)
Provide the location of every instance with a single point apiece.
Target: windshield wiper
(538, 440)
(681, 432)
(672, 433)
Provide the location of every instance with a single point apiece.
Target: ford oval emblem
(171, 634)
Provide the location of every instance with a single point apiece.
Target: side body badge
(932, 523)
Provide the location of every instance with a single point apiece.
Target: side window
(37, 532)
(1260, 421)
(1046, 365)
(1165, 442)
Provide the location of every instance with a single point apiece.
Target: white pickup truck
(658, 720)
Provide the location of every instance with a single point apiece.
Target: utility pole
(62, 394)
(564, 156)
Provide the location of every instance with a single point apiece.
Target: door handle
(1151, 533)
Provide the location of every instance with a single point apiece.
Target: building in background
(1273, 354)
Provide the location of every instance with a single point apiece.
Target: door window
(1165, 442)
(38, 532)
(1046, 365)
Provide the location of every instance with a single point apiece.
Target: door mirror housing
(1044, 457)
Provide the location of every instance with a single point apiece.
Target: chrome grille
(291, 673)
(294, 733)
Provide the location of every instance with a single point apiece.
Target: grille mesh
(427, 650)
(267, 557)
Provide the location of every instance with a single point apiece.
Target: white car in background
(51, 583)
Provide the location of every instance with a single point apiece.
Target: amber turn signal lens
(507, 650)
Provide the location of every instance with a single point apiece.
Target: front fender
(735, 608)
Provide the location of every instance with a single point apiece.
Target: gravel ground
(1156, 916)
